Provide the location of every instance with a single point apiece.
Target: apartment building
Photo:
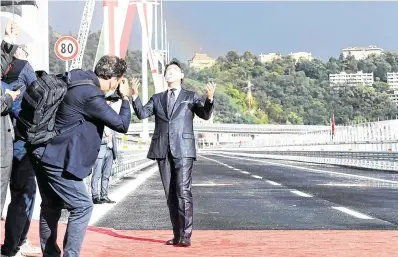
(361, 52)
(351, 79)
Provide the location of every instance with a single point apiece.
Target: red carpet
(104, 242)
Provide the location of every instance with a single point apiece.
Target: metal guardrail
(238, 128)
(370, 160)
(129, 162)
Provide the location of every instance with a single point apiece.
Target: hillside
(282, 92)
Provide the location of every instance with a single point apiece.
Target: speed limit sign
(66, 48)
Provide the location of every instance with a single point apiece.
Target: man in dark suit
(173, 144)
(67, 159)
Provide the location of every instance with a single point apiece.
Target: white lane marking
(100, 210)
(345, 185)
(244, 172)
(272, 183)
(310, 169)
(210, 185)
(255, 176)
(300, 193)
(353, 213)
(211, 160)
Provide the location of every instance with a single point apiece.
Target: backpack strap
(80, 83)
(67, 77)
(69, 127)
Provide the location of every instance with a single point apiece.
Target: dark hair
(176, 63)
(110, 66)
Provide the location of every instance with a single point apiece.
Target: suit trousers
(176, 175)
(102, 170)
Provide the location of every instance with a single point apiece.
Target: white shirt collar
(178, 89)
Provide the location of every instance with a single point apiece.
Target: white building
(361, 52)
(301, 56)
(200, 61)
(351, 79)
(269, 57)
(392, 80)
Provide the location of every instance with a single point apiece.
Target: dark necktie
(171, 101)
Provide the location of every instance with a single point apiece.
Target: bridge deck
(105, 242)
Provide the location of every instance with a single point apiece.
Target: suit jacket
(76, 150)
(114, 143)
(174, 130)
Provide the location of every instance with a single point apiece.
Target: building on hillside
(361, 52)
(264, 58)
(392, 80)
(351, 79)
(299, 56)
(200, 61)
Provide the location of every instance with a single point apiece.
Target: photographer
(7, 97)
(67, 159)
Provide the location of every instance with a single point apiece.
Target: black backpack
(40, 102)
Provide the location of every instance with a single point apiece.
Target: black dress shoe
(97, 200)
(184, 242)
(173, 241)
(107, 200)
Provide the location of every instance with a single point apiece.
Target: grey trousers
(5, 180)
(102, 170)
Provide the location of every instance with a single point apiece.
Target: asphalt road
(250, 194)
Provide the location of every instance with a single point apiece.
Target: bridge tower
(84, 31)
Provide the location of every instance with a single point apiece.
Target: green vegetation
(283, 92)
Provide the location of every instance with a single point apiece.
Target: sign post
(66, 49)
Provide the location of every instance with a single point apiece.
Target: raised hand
(135, 85)
(210, 89)
(124, 87)
(12, 30)
(13, 94)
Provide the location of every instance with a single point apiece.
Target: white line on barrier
(353, 213)
(300, 193)
(308, 169)
(102, 209)
(272, 183)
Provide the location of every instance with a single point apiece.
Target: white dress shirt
(176, 92)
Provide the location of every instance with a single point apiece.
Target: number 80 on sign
(66, 48)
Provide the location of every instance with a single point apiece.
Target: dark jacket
(175, 131)
(77, 149)
(20, 74)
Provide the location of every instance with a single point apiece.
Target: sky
(216, 27)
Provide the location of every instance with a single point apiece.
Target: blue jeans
(57, 188)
